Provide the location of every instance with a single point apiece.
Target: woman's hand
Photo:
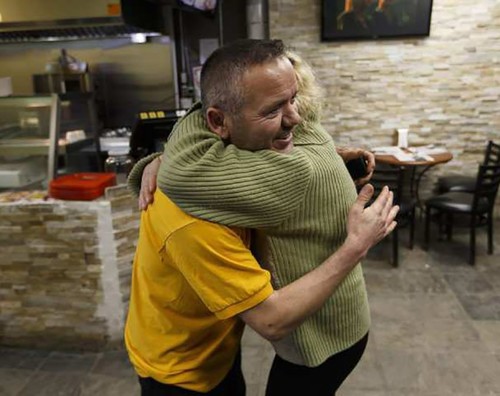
(349, 153)
(148, 183)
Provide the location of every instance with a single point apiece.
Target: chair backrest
(492, 154)
(487, 182)
(391, 177)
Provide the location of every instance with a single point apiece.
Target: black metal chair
(478, 205)
(467, 183)
(393, 177)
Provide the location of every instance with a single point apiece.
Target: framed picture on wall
(372, 19)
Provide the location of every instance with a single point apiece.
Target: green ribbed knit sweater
(299, 203)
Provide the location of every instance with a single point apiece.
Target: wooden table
(424, 166)
(391, 160)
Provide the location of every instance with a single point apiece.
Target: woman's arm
(216, 181)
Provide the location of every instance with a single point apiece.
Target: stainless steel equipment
(40, 20)
(62, 82)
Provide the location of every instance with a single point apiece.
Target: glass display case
(43, 136)
(28, 140)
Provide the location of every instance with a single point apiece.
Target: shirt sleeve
(218, 265)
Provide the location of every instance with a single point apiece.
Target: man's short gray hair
(222, 73)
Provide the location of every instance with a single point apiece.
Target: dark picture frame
(373, 19)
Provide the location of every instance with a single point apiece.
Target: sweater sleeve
(135, 176)
(221, 183)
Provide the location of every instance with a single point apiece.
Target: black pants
(290, 379)
(232, 385)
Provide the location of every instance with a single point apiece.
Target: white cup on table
(403, 137)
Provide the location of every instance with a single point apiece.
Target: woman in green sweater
(298, 202)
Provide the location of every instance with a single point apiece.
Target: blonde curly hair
(310, 96)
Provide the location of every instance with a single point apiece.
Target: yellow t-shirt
(190, 280)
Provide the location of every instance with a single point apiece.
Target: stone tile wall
(125, 215)
(444, 88)
(65, 272)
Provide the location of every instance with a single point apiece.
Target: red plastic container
(81, 186)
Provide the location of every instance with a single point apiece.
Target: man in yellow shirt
(191, 277)
(191, 281)
(196, 283)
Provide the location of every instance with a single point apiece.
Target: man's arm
(288, 307)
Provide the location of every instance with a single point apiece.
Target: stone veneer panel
(125, 214)
(64, 275)
(444, 88)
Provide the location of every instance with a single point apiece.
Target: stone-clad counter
(65, 271)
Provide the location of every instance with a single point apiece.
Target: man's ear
(217, 122)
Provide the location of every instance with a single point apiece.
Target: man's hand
(367, 226)
(348, 153)
(148, 183)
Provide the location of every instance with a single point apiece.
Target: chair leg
(441, 225)
(395, 248)
(490, 233)
(472, 249)
(427, 227)
(449, 226)
(412, 228)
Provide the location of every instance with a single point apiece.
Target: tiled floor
(435, 332)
